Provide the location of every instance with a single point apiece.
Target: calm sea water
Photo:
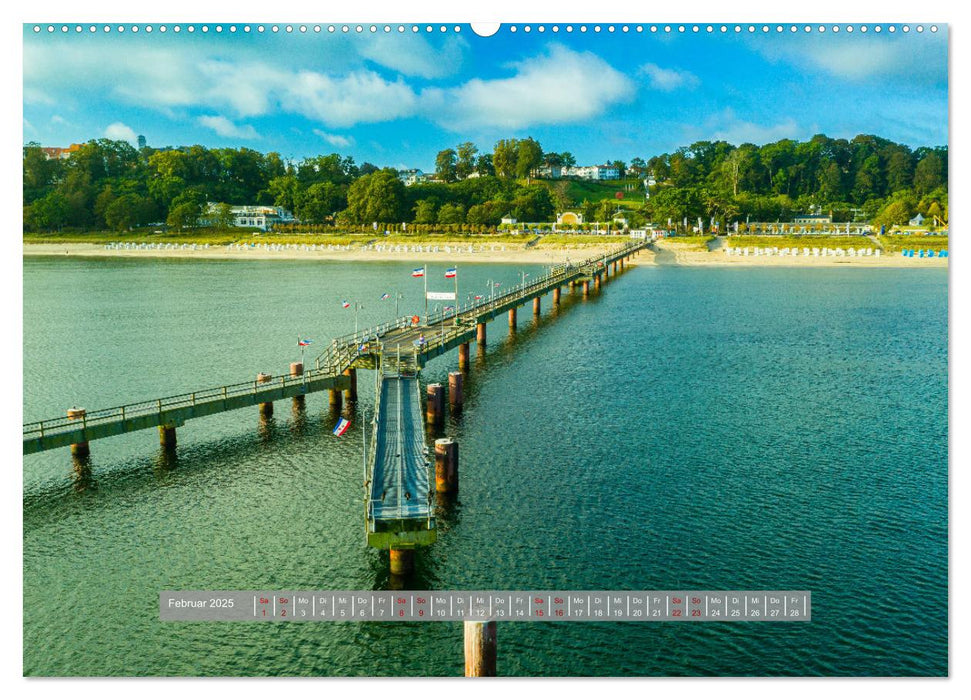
(688, 428)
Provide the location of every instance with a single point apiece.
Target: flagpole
(425, 275)
(456, 310)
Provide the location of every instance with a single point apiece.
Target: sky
(398, 98)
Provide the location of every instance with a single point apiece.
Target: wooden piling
(596, 282)
(512, 319)
(536, 307)
(464, 357)
(266, 408)
(480, 333)
(350, 394)
(402, 561)
(556, 297)
(78, 449)
(446, 465)
(166, 436)
(586, 288)
(335, 399)
(480, 648)
(296, 371)
(455, 392)
(435, 406)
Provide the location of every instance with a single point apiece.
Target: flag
(362, 348)
(449, 308)
(497, 284)
(478, 296)
(451, 272)
(346, 304)
(418, 272)
(342, 425)
(385, 296)
(303, 343)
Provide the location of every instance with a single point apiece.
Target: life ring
(415, 320)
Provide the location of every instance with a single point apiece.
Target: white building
(412, 176)
(250, 216)
(584, 172)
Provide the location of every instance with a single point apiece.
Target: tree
(224, 217)
(529, 156)
(425, 212)
(929, 173)
(320, 201)
(466, 159)
(285, 191)
(445, 165)
(894, 214)
(183, 215)
(451, 214)
(505, 157)
(378, 197)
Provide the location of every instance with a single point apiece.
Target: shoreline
(666, 255)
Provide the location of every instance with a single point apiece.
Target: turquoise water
(688, 428)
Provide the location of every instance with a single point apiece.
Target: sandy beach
(667, 253)
(455, 254)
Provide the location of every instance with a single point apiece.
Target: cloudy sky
(397, 99)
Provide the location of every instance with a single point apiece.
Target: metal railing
(54, 426)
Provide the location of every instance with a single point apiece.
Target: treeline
(111, 185)
(868, 178)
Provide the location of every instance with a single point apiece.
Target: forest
(110, 185)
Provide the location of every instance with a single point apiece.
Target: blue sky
(398, 98)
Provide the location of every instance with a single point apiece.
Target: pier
(399, 482)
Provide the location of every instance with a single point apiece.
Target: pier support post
(586, 289)
(536, 307)
(435, 408)
(464, 357)
(596, 282)
(296, 371)
(335, 399)
(556, 297)
(166, 436)
(78, 449)
(455, 391)
(402, 561)
(446, 465)
(615, 268)
(266, 408)
(351, 393)
(480, 648)
(512, 319)
(480, 334)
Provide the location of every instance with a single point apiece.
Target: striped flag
(385, 296)
(478, 296)
(451, 272)
(346, 304)
(418, 272)
(303, 343)
(342, 425)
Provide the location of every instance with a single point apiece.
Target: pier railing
(54, 426)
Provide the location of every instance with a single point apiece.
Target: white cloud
(359, 97)
(915, 59)
(726, 126)
(117, 131)
(559, 86)
(668, 79)
(413, 55)
(58, 119)
(224, 127)
(335, 139)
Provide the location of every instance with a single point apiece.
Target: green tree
(185, 215)
(929, 173)
(466, 159)
(378, 197)
(505, 157)
(451, 214)
(445, 165)
(894, 214)
(425, 212)
(529, 156)
(320, 201)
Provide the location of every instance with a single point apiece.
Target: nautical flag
(342, 425)
(497, 284)
(362, 348)
(478, 296)
(451, 272)
(303, 343)
(346, 304)
(418, 272)
(385, 296)
(449, 308)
